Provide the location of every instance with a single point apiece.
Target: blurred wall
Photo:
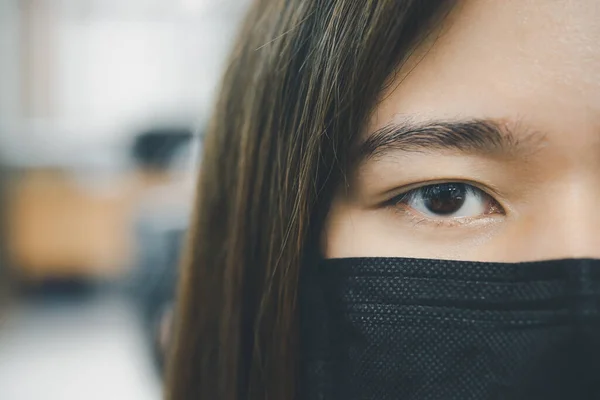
(9, 64)
(85, 72)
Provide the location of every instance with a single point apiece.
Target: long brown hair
(302, 80)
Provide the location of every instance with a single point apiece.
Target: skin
(533, 68)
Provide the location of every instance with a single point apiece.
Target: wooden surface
(58, 228)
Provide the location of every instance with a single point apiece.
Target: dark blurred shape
(156, 148)
(4, 272)
(161, 224)
(157, 281)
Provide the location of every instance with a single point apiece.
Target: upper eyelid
(413, 190)
(486, 189)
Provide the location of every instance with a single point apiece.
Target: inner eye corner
(497, 205)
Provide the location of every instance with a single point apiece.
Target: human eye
(448, 202)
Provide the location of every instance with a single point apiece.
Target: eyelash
(399, 203)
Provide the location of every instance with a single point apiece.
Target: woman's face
(486, 146)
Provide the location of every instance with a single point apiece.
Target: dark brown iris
(444, 198)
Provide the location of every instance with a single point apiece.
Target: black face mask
(394, 328)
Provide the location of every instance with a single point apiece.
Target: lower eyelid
(419, 219)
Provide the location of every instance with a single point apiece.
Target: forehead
(531, 60)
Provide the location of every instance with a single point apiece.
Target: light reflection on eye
(450, 200)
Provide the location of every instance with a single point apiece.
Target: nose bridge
(570, 227)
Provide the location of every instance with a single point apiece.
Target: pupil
(445, 198)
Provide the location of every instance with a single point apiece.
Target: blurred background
(102, 108)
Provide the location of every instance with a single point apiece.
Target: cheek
(349, 232)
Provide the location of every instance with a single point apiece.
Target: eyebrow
(477, 136)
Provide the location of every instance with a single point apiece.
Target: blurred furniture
(59, 228)
(4, 270)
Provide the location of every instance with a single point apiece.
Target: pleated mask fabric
(419, 329)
